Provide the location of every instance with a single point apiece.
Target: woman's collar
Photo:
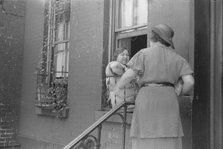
(156, 44)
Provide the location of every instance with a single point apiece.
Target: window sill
(50, 112)
(114, 118)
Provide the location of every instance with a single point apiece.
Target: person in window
(114, 71)
(156, 122)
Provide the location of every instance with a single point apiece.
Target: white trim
(132, 28)
(110, 30)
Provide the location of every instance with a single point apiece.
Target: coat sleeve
(185, 68)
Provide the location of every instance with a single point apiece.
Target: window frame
(54, 42)
(115, 34)
(51, 93)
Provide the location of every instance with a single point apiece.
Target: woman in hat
(114, 71)
(156, 122)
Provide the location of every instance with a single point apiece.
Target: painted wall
(85, 63)
(179, 14)
(84, 92)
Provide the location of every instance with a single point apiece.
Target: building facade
(65, 46)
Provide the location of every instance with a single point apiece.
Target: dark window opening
(138, 43)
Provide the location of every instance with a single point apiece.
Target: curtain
(126, 13)
(141, 12)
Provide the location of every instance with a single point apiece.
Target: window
(132, 13)
(128, 27)
(61, 42)
(54, 67)
(129, 19)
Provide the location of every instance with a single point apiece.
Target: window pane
(59, 32)
(126, 13)
(61, 50)
(132, 13)
(141, 12)
(62, 64)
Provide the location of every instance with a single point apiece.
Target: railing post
(124, 126)
(99, 137)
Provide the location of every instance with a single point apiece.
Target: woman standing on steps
(156, 122)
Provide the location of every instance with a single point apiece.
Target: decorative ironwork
(52, 98)
(87, 141)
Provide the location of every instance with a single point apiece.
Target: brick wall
(11, 47)
(7, 125)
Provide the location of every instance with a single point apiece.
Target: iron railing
(87, 141)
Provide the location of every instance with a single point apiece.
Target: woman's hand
(184, 85)
(178, 89)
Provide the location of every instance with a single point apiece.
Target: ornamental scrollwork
(89, 142)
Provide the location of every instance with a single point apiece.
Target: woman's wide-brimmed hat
(165, 32)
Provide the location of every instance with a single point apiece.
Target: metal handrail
(98, 124)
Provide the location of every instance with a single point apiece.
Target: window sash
(62, 69)
(130, 13)
(61, 52)
(138, 32)
(117, 31)
(58, 39)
